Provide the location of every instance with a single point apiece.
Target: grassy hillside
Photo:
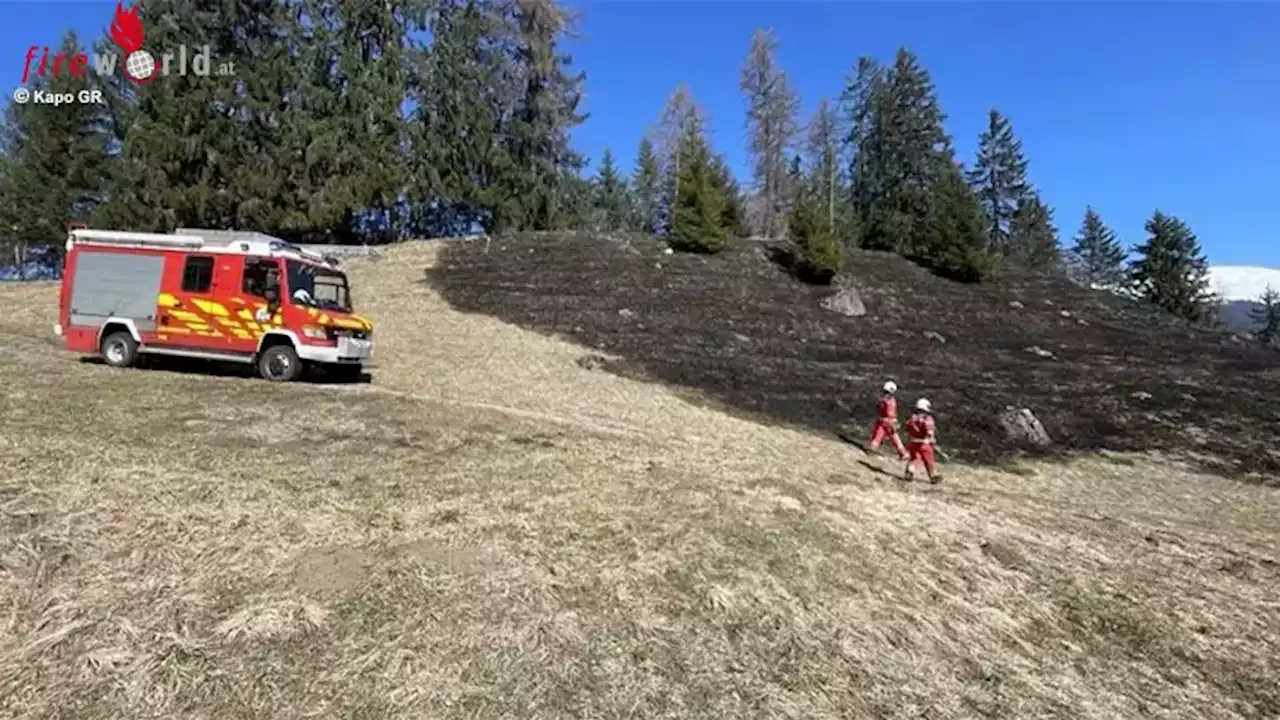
(1122, 376)
(489, 530)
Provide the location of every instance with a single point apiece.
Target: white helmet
(891, 387)
(923, 405)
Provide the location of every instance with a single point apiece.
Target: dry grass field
(488, 530)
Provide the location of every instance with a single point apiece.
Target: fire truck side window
(197, 274)
(258, 273)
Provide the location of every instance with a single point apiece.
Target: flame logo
(126, 28)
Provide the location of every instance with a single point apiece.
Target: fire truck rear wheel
(119, 349)
(280, 363)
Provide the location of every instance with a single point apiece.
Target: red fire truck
(219, 295)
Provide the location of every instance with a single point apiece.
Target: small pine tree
(958, 241)
(734, 217)
(1033, 240)
(1171, 272)
(699, 207)
(819, 253)
(647, 182)
(1097, 254)
(611, 194)
(1267, 317)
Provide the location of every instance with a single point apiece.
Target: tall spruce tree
(1097, 257)
(772, 111)
(1171, 272)
(186, 146)
(55, 164)
(1266, 318)
(1000, 179)
(464, 94)
(546, 112)
(912, 153)
(646, 180)
(860, 105)
(1033, 240)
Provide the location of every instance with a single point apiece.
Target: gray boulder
(847, 302)
(1022, 426)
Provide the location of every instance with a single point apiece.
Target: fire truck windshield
(324, 288)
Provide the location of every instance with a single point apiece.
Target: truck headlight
(315, 333)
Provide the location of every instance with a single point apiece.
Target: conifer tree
(611, 194)
(823, 151)
(1097, 257)
(861, 103)
(647, 183)
(772, 111)
(912, 153)
(958, 246)
(463, 92)
(734, 217)
(1000, 179)
(545, 113)
(680, 118)
(187, 143)
(698, 207)
(819, 253)
(55, 164)
(1266, 317)
(1033, 240)
(1171, 272)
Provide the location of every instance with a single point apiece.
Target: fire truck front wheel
(119, 349)
(279, 363)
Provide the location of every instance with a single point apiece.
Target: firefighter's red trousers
(887, 429)
(923, 452)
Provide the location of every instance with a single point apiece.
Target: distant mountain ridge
(1241, 286)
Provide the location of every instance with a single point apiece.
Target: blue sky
(1127, 106)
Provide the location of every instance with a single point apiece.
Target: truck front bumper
(347, 351)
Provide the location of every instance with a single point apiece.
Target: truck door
(258, 301)
(189, 311)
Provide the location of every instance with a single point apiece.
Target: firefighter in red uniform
(887, 421)
(921, 439)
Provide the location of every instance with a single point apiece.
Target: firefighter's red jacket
(887, 408)
(921, 429)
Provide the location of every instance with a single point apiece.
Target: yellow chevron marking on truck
(186, 315)
(210, 307)
(228, 322)
(167, 300)
(351, 323)
(244, 314)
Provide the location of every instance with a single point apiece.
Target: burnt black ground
(739, 329)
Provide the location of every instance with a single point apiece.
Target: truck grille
(345, 332)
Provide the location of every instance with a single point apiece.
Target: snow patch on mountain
(1240, 282)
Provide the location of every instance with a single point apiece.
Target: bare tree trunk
(20, 258)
